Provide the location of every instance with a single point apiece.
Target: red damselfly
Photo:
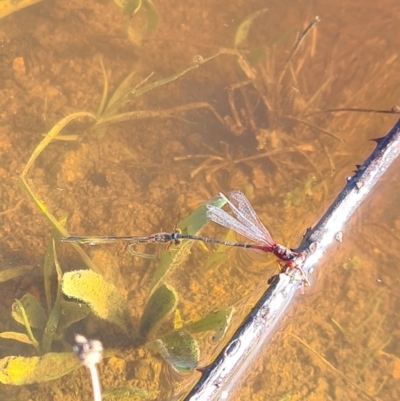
(248, 225)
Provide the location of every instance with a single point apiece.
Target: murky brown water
(339, 341)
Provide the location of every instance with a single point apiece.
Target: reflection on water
(245, 120)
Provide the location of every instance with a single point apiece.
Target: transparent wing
(247, 216)
(223, 218)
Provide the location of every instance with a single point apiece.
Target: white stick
(90, 352)
(95, 382)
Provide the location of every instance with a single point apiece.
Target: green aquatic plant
(242, 31)
(160, 305)
(50, 323)
(178, 347)
(103, 298)
(174, 257)
(353, 264)
(142, 18)
(18, 370)
(175, 342)
(47, 325)
(109, 112)
(270, 101)
(13, 272)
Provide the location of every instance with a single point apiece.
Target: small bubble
(50, 330)
(198, 59)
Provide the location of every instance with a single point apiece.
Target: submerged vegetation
(269, 128)
(178, 347)
(81, 293)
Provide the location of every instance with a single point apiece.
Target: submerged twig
(313, 126)
(296, 46)
(222, 375)
(393, 110)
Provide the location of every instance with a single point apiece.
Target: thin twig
(393, 110)
(12, 209)
(304, 122)
(296, 46)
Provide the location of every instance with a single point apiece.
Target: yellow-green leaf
(162, 303)
(175, 256)
(12, 335)
(179, 349)
(17, 370)
(243, 30)
(35, 313)
(216, 321)
(8, 274)
(102, 297)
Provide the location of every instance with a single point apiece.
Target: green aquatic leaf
(191, 224)
(151, 16)
(36, 315)
(244, 27)
(179, 349)
(49, 265)
(129, 6)
(353, 263)
(216, 321)
(143, 20)
(161, 304)
(166, 264)
(103, 298)
(18, 370)
(55, 314)
(12, 335)
(71, 312)
(120, 94)
(53, 221)
(172, 78)
(8, 274)
(194, 221)
(104, 95)
(51, 135)
(48, 270)
(19, 307)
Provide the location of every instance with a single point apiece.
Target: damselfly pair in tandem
(245, 223)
